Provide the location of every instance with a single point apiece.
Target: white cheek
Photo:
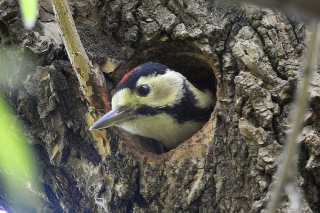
(123, 97)
(115, 101)
(165, 89)
(114, 104)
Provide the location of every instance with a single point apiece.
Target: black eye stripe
(186, 110)
(143, 90)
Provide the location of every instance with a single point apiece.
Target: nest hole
(191, 62)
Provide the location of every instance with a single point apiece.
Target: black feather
(185, 110)
(150, 68)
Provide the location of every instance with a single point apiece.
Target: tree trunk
(250, 56)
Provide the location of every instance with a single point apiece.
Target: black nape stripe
(186, 110)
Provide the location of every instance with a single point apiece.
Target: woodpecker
(156, 102)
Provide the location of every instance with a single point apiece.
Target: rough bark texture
(229, 166)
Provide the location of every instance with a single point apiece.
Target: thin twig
(89, 84)
(288, 166)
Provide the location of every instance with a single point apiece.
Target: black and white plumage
(156, 102)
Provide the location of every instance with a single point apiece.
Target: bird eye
(143, 90)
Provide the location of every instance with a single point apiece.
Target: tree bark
(250, 56)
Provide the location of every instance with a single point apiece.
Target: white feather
(162, 128)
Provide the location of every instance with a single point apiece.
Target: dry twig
(288, 166)
(89, 84)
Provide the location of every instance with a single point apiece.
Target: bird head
(155, 101)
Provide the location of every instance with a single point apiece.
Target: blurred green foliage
(18, 172)
(29, 11)
(17, 168)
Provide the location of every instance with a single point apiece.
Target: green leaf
(17, 168)
(29, 11)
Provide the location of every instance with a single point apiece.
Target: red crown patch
(126, 76)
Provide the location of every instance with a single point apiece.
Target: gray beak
(113, 117)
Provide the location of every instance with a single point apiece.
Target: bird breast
(162, 128)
